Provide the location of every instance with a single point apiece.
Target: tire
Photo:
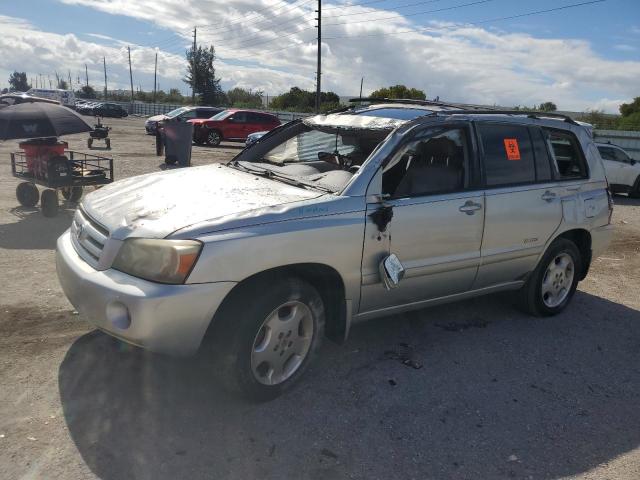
(214, 137)
(246, 344)
(27, 194)
(635, 190)
(49, 203)
(72, 194)
(551, 286)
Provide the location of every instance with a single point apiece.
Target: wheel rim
(282, 343)
(557, 280)
(214, 137)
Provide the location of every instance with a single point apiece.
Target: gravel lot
(500, 395)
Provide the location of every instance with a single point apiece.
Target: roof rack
(528, 114)
(409, 101)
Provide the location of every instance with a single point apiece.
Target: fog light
(118, 315)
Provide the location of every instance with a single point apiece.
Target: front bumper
(162, 318)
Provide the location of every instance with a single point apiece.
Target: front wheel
(553, 283)
(27, 194)
(266, 345)
(214, 138)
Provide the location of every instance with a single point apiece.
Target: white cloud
(274, 49)
(623, 47)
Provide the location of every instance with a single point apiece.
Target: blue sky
(607, 33)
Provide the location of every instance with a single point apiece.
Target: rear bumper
(168, 319)
(600, 240)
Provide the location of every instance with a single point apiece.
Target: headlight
(164, 261)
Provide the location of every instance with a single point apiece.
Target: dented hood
(155, 205)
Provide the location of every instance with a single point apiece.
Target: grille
(89, 237)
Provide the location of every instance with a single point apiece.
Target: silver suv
(333, 219)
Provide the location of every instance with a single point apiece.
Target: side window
(240, 117)
(188, 115)
(621, 156)
(508, 154)
(543, 161)
(201, 113)
(435, 161)
(567, 155)
(607, 153)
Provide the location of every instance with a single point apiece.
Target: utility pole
(70, 82)
(193, 68)
(155, 74)
(319, 68)
(49, 78)
(130, 73)
(86, 74)
(361, 82)
(104, 61)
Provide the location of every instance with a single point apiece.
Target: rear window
(567, 157)
(508, 154)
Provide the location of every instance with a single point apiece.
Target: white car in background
(623, 172)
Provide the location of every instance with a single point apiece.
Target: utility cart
(99, 132)
(57, 169)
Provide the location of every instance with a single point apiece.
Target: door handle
(548, 196)
(470, 207)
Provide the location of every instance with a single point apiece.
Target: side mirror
(391, 271)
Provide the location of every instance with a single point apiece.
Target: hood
(155, 205)
(157, 118)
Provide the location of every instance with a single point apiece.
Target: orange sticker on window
(511, 146)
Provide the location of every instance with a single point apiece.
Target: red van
(233, 125)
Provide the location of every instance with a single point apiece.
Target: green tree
(87, 91)
(547, 107)
(630, 122)
(399, 91)
(62, 84)
(18, 82)
(239, 97)
(627, 109)
(201, 76)
(298, 100)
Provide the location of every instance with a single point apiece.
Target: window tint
(188, 115)
(607, 153)
(239, 117)
(620, 155)
(508, 154)
(437, 161)
(205, 113)
(543, 161)
(566, 155)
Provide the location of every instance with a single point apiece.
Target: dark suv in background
(109, 110)
(232, 124)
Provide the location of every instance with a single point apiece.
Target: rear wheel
(27, 194)
(49, 203)
(266, 345)
(552, 284)
(214, 138)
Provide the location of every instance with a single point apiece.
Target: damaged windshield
(323, 158)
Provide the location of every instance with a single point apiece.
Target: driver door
(437, 220)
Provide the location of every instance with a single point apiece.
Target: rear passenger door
(522, 200)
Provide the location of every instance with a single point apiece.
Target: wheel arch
(582, 239)
(325, 279)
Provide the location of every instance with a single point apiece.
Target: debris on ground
(405, 354)
(461, 326)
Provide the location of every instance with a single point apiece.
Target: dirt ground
(499, 394)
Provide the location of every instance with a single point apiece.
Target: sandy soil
(500, 395)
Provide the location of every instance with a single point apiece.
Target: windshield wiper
(267, 173)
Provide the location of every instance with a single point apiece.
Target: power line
(468, 24)
(243, 21)
(355, 4)
(478, 2)
(399, 7)
(255, 12)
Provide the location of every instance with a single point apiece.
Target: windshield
(176, 112)
(221, 116)
(324, 159)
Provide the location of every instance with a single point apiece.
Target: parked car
(623, 172)
(109, 110)
(254, 137)
(232, 124)
(333, 219)
(182, 113)
(87, 108)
